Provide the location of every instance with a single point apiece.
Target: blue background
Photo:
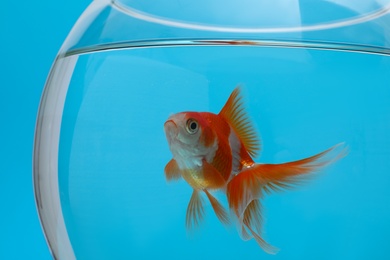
(31, 34)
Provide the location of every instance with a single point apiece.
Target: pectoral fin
(172, 171)
(212, 176)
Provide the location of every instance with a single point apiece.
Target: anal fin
(219, 210)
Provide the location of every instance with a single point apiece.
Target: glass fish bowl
(295, 88)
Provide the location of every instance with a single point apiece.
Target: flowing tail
(246, 189)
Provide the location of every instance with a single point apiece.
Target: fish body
(215, 152)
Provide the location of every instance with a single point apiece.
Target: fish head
(188, 132)
(183, 128)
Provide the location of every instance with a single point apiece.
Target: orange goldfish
(214, 152)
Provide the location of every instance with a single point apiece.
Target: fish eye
(192, 126)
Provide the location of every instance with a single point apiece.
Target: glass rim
(194, 25)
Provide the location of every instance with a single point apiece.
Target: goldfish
(214, 152)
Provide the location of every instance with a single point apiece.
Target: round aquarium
(218, 130)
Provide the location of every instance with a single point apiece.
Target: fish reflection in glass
(214, 152)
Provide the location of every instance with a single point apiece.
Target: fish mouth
(170, 128)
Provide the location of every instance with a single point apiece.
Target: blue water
(114, 197)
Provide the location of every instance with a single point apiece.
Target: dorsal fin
(234, 113)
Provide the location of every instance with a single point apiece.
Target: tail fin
(252, 225)
(251, 184)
